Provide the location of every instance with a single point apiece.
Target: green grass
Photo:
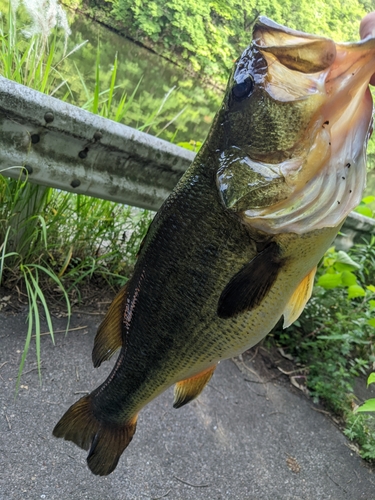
(52, 240)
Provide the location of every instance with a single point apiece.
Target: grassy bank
(52, 243)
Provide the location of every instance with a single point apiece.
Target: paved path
(241, 439)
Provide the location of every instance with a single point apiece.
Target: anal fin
(188, 389)
(251, 284)
(299, 299)
(109, 335)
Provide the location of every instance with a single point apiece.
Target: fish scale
(235, 246)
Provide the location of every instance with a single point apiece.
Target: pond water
(157, 78)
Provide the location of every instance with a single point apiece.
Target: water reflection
(196, 104)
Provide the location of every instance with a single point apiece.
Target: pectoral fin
(249, 286)
(299, 299)
(188, 389)
(109, 335)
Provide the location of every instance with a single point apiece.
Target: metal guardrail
(65, 147)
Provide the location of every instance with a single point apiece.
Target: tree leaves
(210, 35)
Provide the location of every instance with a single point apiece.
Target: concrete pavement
(244, 438)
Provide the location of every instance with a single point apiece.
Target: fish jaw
(311, 118)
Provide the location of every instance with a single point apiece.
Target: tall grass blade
(95, 104)
(39, 294)
(30, 322)
(113, 82)
(3, 254)
(66, 262)
(125, 105)
(77, 47)
(61, 287)
(48, 65)
(82, 80)
(171, 121)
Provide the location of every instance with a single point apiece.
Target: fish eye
(243, 89)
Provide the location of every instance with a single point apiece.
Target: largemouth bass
(235, 246)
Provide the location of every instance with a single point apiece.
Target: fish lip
(267, 23)
(294, 49)
(334, 188)
(269, 36)
(358, 54)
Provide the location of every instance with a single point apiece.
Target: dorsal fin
(299, 299)
(109, 335)
(251, 284)
(188, 389)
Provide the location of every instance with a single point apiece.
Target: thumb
(367, 29)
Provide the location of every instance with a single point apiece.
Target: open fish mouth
(325, 163)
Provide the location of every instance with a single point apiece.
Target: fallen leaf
(293, 465)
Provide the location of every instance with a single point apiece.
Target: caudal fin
(106, 441)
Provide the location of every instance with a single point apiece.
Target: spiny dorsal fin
(188, 389)
(299, 298)
(109, 335)
(249, 286)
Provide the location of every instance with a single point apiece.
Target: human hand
(367, 29)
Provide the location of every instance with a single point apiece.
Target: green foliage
(335, 336)
(51, 241)
(368, 405)
(361, 428)
(185, 27)
(186, 111)
(31, 275)
(366, 207)
(339, 269)
(191, 145)
(210, 35)
(33, 61)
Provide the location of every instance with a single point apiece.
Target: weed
(334, 337)
(361, 429)
(368, 405)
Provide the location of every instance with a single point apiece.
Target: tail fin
(106, 441)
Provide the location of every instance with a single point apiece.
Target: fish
(236, 245)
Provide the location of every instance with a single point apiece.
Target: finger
(367, 29)
(367, 26)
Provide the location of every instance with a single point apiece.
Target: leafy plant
(361, 429)
(339, 269)
(368, 405)
(31, 276)
(334, 337)
(191, 145)
(366, 206)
